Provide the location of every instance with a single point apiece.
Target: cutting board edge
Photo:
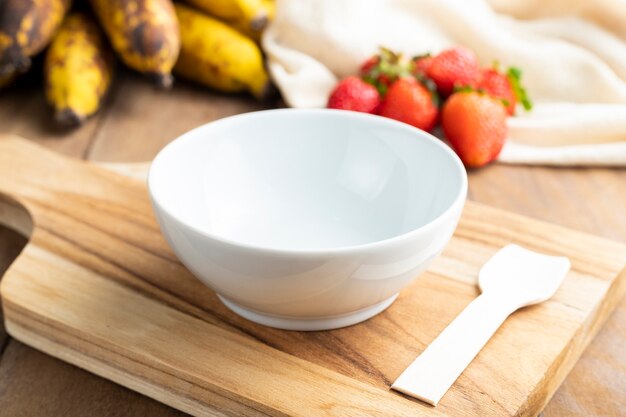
(579, 342)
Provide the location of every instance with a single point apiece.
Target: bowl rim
(459, 200)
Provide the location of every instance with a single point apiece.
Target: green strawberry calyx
(515, 78)
(388, 66)
(514, 75)
(481, 91)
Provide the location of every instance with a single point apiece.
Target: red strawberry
(352, 93)
(410, 102)
(455, 67)
(475, 125)
(507, 87)
(421, 64)
(497, 85)
(383, 69)
(369, 64)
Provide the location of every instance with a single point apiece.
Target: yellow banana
(216, 55)
(77, 70)
(26, 27)
(244, 26)
(270, 8)
(144, 33)
(251, 15)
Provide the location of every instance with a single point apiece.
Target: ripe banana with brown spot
(77, 70)
(249, 15)
(144, 33)
(26, 27)
(268, 8)
(216, 55)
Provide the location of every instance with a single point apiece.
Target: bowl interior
(306, 179)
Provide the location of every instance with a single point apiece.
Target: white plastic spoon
(513, 278)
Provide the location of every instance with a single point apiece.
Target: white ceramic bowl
(307, 219)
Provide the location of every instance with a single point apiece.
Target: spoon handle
(435, 370)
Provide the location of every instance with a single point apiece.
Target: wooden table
(137, 121)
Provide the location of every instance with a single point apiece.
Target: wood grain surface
(592, 200)
(97, 286)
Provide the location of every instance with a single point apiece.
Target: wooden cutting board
(97, 286)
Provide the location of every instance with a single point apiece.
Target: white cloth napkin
(572, 54)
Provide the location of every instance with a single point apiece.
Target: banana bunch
(216, 55)
(78, 69)
(26, 27)
(211, 42)
(144, 33)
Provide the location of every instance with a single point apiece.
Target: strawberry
(383, 69)
(475, 125)
(506, 87)
(409, 101)
(352, 93)
(497, 85)
(369, 65)
(421, 64)
(455, 67)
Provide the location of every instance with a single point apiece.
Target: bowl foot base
(320, 323)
